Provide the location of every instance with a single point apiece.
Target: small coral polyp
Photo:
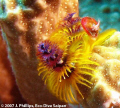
(64, 62)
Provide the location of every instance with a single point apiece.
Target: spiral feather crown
(64, 62)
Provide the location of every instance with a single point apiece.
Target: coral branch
(25, 24)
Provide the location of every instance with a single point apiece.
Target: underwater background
(107, 11)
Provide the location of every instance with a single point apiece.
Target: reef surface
(25, 24)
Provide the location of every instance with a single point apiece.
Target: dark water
(107, 11)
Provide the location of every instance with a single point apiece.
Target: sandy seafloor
(107, 11)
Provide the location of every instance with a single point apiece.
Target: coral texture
(8, 90)
(107, 80)
(6, 82)
(25, 24)
(105, 92)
